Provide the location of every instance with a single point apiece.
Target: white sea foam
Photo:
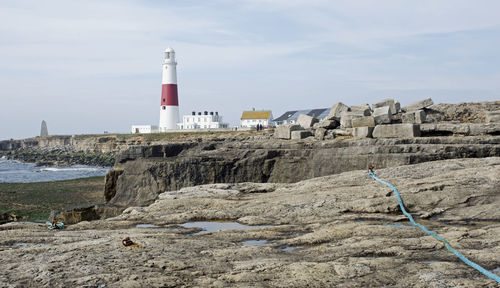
(64, 169)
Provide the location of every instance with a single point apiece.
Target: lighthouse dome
(169, 49)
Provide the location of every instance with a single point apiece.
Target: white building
(250, 119)
(201, 120)
(143, 129)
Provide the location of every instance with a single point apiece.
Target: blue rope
(435, 235)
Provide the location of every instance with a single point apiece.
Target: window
(163, 107)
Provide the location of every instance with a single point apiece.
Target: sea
(12, 171)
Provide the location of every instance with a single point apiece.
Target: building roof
(285, 116)
(293, 115)
(255, 114)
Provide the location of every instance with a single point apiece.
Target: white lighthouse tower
(169, 106)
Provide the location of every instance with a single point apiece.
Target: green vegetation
(34, 201)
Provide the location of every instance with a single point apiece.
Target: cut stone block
(419, 105)
(301, 134)
(492, 116)
(336, 111)
(382, 115)
(328, 124)
(362, 109)
(306, 121)
(416, 117)
(362, 132)
(388, 102)
(396, 131)
(319, 134)
(363, 121)
(285, 131)
(346, 118)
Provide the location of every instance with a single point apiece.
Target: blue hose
(435, 235)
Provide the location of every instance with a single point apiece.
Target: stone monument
(43, 130)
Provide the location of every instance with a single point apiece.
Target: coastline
(34, 201)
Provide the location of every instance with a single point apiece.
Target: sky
(89, 66)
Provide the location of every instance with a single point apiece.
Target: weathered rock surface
(462, 112)
(414, 117)
(492, 116)
(302, 134)
(394, 106)
(328, 124)
(396, 131)
(347, 231)
(363, 121)
(361, 109)
(336, 111)
(148, 171)
(319, 134)
(362, 132)
(347, 117)
(448, 129)
(285, 131)
(306, 121)
(382, 115)
(419, 105)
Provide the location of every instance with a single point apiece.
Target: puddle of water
(209, 227)
(254, 242)
(496, 270)
(290, 248)
(152, 226)
(430, 262)
(19, 244)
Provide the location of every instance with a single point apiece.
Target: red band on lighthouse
(169, 95)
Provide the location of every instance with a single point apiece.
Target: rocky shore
(342, 230)
(301, 208)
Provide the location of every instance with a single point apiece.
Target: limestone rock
(328, 124)
(414, 117)
(347, 117)
(341, 132)
(362, 132)
(44, 131)
(393, 105)
(396, 131)
(363, 121)
(382, 115)
(419, 105)
(301, 134)
(462, 112)
(492, 116)
(361, 109)
(306, 121)
(319, 134)
(285, 131)
(449, 129)
(343, 230)
(336, 111)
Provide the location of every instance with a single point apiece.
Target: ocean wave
(64, 169)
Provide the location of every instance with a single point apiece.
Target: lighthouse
(169, 106)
